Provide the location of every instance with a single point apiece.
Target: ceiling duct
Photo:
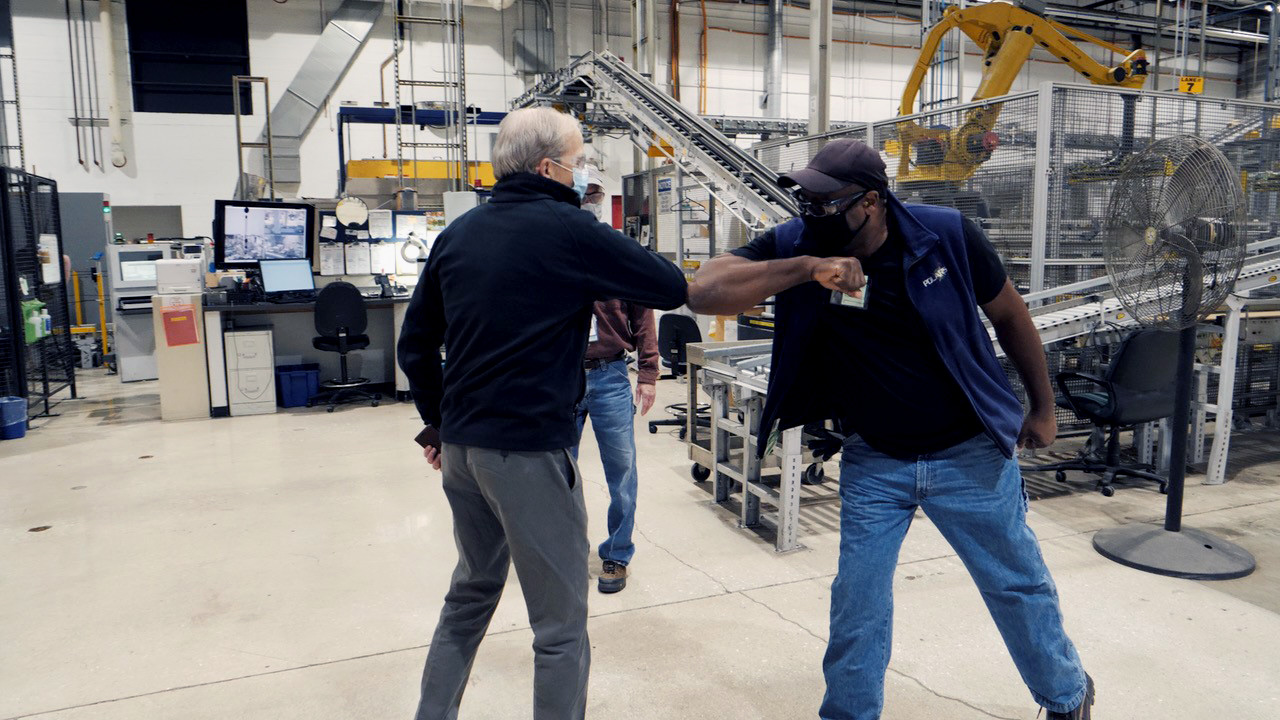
(346, 32)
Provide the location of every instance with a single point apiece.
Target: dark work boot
(613, 578)
(1084, 712)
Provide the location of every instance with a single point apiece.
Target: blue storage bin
(13, 418)
(295, 384)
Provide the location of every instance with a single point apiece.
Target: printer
(179, 276)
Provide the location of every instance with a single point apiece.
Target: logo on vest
(937, 275)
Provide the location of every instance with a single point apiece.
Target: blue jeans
(609, 403)
(974, 495)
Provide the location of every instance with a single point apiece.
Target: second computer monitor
(246, 233)
(286, 276)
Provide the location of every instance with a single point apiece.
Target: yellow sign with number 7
(1193, 84)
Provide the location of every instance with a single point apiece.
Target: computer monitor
(286, 276)
(133, 267)
(246, 233)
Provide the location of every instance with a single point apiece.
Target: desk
(292, 329)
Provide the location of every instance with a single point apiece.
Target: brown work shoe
(1084, 711)
(613, 577)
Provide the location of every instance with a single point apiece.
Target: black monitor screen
(249, 232)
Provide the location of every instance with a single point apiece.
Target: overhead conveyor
(600, 85)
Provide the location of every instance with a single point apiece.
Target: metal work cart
(735, 375)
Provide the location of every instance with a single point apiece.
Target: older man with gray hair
(509, 289)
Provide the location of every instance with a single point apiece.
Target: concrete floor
(292, 566)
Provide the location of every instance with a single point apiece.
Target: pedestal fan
(1174, 244)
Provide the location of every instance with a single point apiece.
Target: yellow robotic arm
(1006, 34)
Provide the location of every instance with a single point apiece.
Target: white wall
(189, 160)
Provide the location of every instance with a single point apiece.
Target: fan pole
(1173, 550)
(1180, 429)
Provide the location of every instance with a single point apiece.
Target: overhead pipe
(1204, 24)
(820, 66)
(903, 46)
(772, 101)
(1272, 91)
(118, 156)
(1216, 18)
(75, 85)
(674, 17)
(1109, 21)
(702, 62)
(1159, 41)
(91, 83)
(1124, 21)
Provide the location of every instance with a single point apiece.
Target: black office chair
(674, 333)
(341, 320)
(1138, 387)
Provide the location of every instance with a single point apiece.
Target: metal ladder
(242, 191)
(453, 82)
(692, 202)
(10, 112)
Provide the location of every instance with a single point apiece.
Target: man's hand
(1039, 430)
(432, 454)
(645, 395)
(842, 274)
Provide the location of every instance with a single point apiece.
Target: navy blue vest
(939, 284)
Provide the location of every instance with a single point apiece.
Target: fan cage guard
(1174, 239)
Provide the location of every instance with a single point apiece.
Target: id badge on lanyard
(857, 302)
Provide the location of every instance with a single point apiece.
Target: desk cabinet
(292, 328)
(251, 375)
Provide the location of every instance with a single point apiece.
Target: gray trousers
(526, 508)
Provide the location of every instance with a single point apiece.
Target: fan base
(1191, 554)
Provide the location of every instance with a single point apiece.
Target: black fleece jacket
(508, 289)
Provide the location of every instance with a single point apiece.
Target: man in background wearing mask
(878, 328)
(509, 289)
(618, 327)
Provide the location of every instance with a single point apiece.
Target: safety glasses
(823, 208)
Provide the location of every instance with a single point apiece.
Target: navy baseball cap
(838, 165)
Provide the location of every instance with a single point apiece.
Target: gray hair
(528, 135)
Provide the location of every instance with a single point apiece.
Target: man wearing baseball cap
(878, 329)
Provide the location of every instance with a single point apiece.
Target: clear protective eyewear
(825, 208)
(579, 164)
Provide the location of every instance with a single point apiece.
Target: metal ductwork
(772, 103)
(346, 32)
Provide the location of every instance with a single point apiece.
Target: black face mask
(830, 233)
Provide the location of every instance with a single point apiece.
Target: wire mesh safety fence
(1257, 390)
(1037, 171)
(1044, 206)
(930, 163)
(37, 355)
(1096, 130)
(1089, 359)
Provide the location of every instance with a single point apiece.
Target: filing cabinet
(251, 381)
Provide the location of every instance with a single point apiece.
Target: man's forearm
(1021, 342)
(729, 285)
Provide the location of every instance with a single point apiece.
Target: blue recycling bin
(296, 384)
(13, 418)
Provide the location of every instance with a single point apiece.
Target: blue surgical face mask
(581, 178)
